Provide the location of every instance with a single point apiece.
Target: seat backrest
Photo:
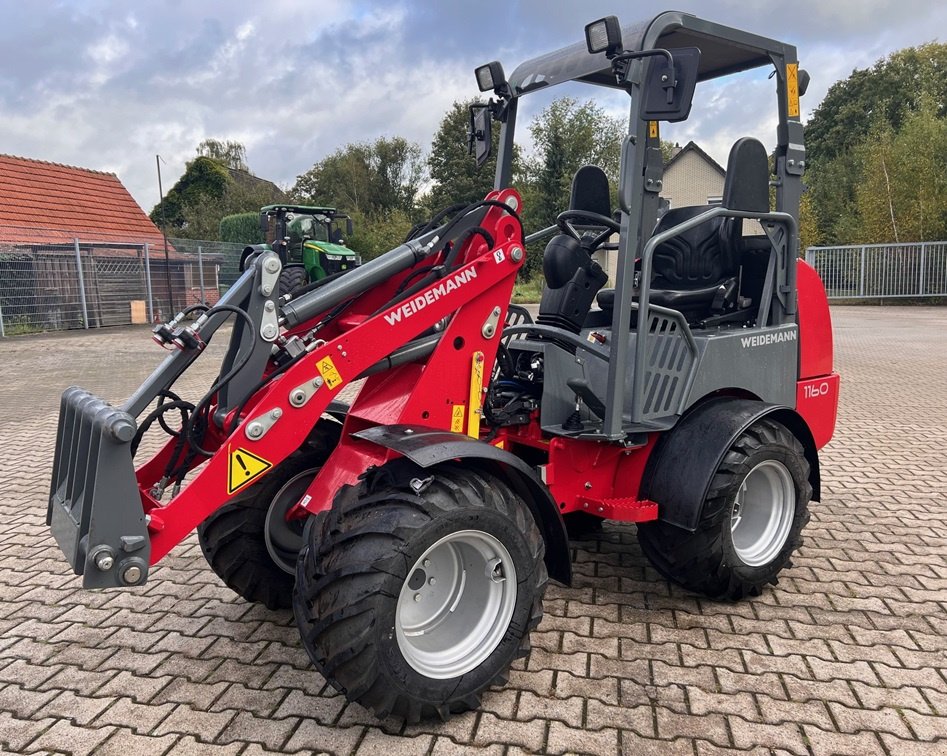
(710, 253)
(590, 191)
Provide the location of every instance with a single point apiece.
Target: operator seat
(697, 271)
(572, 277)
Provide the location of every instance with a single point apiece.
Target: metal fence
(87, 283)
(880, 271)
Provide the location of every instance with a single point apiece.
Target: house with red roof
(73, 246)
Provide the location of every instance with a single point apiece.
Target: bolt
(512, 202)
(650, 182)
(516, 254)
(276, 414)
(588, 485)
(269, 306)
(417, 596)
(664, 77)
(431, 581)
(132, 574)
(426, 563)
(104, 561)
(317, 381)
(269, 331)
(791, 162)
(255, 429)
(297, 398)
(272, 265)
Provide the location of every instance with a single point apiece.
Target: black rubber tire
(357, 558)
(292, 278)
(705, 561)
(232, 538)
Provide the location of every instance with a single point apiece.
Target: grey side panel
(427, 447)
(763, 362)
(684, 462)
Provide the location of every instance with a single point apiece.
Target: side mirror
(479, 133)
(669, 90)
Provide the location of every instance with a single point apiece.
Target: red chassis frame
(601, 479)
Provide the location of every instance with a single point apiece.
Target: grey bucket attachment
(95, 512)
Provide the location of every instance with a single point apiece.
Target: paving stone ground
(847, 654)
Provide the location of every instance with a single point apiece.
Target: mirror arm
(620, 66)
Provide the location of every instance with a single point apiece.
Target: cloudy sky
(106, 84)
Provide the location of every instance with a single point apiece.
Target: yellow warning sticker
(501, 444)
(792, 90)
(653, 132)
(457, 419)
(245, 467)
(328, 372)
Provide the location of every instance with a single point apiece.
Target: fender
(680, 469)
(427, 447)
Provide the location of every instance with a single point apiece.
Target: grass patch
(528, 292)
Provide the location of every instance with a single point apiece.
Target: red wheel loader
(412, 531)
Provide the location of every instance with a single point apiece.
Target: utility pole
(164, 233)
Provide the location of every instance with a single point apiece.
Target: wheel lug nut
(431, 581)
(426, 563)
(417, 596)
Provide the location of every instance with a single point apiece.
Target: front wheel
(752, 519)
(418, 589)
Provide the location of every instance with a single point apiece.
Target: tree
(454, 172)
(209, 189)
(231, 154)
(379, 177)
(566, 136)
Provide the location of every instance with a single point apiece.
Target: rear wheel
(419, 588)
(291, 278)
(752, 519)
(249, 543)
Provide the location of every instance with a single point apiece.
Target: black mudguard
(683, 463)
(427, 447)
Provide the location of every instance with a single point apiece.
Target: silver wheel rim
(762, 513)
(456, 604)
(284, 539)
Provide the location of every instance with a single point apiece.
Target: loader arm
(432, 306)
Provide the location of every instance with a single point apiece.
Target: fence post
(85, 311)
(151, 304)
(920, 282)
(200, 272)
(861, 283)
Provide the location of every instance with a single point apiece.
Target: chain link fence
(66, 283)
(881, 271)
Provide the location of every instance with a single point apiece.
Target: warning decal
(328, 372)
(792, 90)
(245, 468)
(653, 130)
(457, 419)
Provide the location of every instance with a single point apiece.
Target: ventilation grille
(668, 363)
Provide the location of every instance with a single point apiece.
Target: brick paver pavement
(846, 655)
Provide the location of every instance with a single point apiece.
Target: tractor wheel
(752, 519)
(292, 278)
(249, 543)
(418, 589)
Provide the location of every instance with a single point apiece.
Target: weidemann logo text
(768, 338)
(417, 304)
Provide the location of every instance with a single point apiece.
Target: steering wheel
(564, 218)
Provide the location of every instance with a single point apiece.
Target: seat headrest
(746, 186)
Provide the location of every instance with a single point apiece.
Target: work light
(604, 35)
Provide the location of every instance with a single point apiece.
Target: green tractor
(309, 242)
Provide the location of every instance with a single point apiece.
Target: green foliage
(378, 232)
(454, 171)
(211, 188)
(231, 154)
(374, 179)
(845, 155)
(566, 136)
(242, 228)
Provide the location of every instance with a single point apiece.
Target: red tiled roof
(48, 203)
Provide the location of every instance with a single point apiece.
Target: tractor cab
(309, 239)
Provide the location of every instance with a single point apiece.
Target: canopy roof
(724, 50)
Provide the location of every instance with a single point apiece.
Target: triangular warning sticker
(245, 468)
